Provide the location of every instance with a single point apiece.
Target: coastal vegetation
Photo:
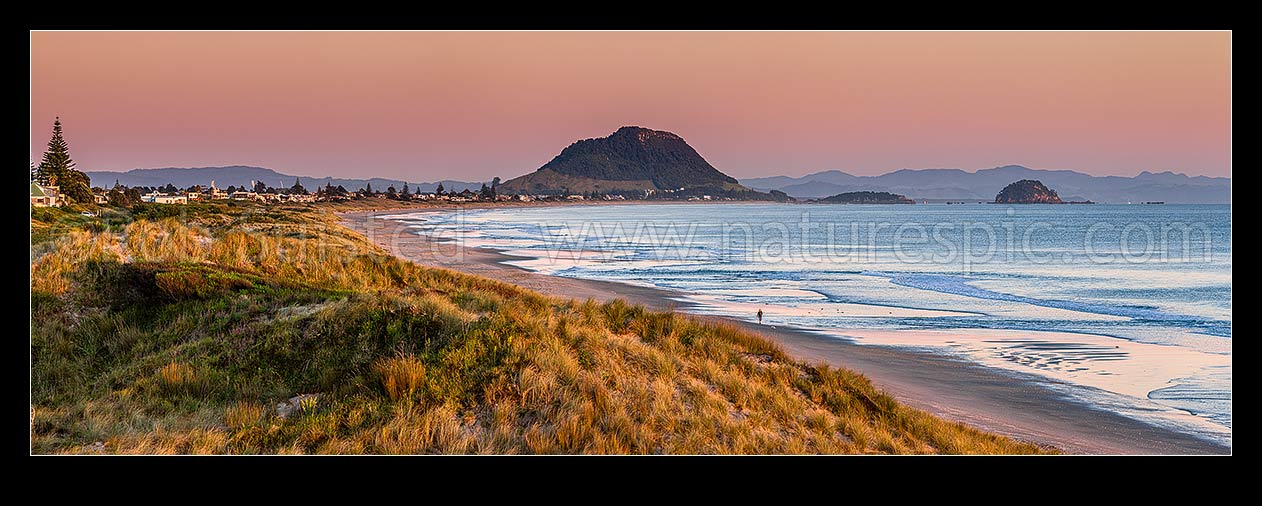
(234, 327)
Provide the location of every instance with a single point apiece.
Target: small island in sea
(866, 197)
(1027, 191)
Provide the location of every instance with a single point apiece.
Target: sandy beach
(994, 400)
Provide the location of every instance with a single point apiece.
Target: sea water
(1125, 307)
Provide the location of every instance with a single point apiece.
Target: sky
(473, 105)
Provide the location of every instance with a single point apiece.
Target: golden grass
(401, 377)
(53, 264)
(243, 414)
(166, 240)
(410, 359)
(176, 374)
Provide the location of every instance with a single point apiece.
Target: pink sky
(424, 106)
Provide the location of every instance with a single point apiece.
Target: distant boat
(1155, 202)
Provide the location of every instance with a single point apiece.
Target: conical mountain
(632, 159)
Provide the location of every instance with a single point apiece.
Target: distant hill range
(241, 175)
(632, 160)
(983, 185)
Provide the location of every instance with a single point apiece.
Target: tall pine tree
(57, 169)
(56, 158)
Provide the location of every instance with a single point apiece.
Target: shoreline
(950, 388)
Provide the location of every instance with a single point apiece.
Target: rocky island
(1027, 191)
(866, 197)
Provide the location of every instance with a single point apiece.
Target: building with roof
(45, 196)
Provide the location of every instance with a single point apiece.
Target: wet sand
(998, 401)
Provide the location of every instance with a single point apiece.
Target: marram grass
(181, 334)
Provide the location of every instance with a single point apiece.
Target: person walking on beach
(760, 317)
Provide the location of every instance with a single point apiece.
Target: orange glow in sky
(425, 106)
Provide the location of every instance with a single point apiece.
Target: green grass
(181, 334)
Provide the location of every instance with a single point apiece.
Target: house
(100, 199)
(298, 197)
(45, 196)
(162, 198)
(243, 195)
(216, 193)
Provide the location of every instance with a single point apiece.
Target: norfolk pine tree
(57, 169)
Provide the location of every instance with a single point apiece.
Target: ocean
(1124, 307)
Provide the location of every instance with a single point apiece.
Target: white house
(45, 196)
(162, 198)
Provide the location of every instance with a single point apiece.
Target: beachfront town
(51, 196)
(119, 195)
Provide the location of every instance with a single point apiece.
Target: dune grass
(182, 334)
